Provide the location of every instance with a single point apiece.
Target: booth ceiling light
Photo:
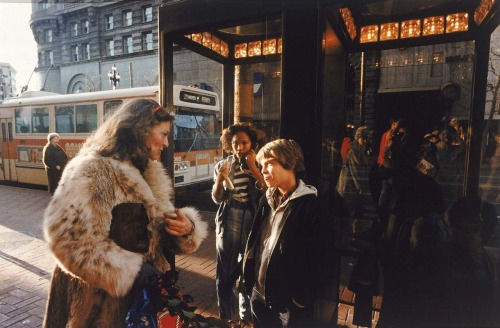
(349, 22)
(211, 42)
(458, 22)
(241, 50)
(482, 10)
(389, 31)
(369, 34)
(410, 28)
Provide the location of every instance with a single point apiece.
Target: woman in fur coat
(111, 223)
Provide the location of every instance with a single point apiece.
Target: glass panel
(195, 131)
(489, 180)
(23, 119)
(40, 120)
(65, 122)
(110, 107)
(429, 88)
(334, 119)
(86, 118)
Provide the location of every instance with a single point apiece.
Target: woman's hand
(177, 223)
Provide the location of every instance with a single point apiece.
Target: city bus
(25, 122)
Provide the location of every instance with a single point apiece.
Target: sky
(17, 44)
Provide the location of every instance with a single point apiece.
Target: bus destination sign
(192, 97)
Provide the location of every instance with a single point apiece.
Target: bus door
(6, 149)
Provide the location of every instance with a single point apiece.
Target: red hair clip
(156, 108)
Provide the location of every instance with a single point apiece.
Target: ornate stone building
(79, 42)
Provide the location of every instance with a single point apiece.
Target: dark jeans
(232, 235)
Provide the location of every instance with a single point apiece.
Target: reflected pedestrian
(55, 159)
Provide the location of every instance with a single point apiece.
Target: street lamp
(114, 77)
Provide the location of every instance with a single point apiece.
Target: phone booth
(305, 70)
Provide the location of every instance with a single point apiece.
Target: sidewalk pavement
(26, 264)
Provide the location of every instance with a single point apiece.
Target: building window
(85, 26)
(127, 18)
(109, 22)
(147, 41)
(147, 14)
(48, 35)
(74, 29)
(49, 58)
(110, 47)
(86, 51)
(127, 44)
(75, 50)
(39, 58)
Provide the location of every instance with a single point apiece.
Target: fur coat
(92, 283)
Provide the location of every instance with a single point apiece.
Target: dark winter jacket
(54, 155)
(302, 263)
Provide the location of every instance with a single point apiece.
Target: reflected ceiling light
(457, 22)
(389, 31)
(482, 10)
(280, 45)
(269, 47)
(254, 48)
(369, 34)
(433, 25)
(410, 28)
(240, 50)
(349, 22)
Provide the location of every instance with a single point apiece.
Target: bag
(142, 314)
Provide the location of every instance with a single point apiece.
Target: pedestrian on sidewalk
(238, 186)
(55, 159)
(288, 262)
(112, 224)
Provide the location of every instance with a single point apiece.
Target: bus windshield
(195, 131)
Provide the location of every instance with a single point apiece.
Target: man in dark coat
(54, 159)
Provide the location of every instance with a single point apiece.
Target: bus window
(195, 131)
(86, 118)
(110, 107)
(40, 120)
(23, 118)
(65, 119)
